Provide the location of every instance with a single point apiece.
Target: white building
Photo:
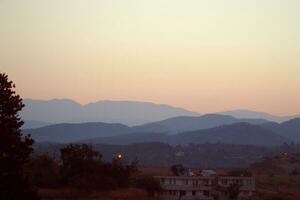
(247, 184)
(203, 187)
(185, 188)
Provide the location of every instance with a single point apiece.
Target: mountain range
(39, 113)
(125, 122)
(178, 130)
(244, 113)
(238, 133)
(71, 132)
(68, 111)
(189, 123)
(289, 129)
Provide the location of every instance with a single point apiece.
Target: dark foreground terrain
(201, 155)
(277, 178)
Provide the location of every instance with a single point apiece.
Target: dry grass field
(120, 194)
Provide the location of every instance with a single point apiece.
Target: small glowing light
(119, 156)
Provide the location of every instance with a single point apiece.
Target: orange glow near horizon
(205, 56)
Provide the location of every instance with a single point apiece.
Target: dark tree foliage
(149, 184)
(14, 149)
(43, 171)
(240, 173)
(80, 164)
(120, 173)
(83, 168)
(178, 169)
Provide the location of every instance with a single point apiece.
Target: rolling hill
(187, 123)
(67, 133)
(72, 132)
(238, 133)
(289, 129)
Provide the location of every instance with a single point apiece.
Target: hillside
(66, 133)
(94, 132)
(238, 133)
(289, 129)
(189, 123)
(128, 139)
(284, 163)
(277, 177)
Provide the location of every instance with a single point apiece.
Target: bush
(83, 168)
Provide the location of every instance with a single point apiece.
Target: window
(182, 193)
(195, 183)
(224, 182)
(194, 193)
(206, 193)
(205, 182)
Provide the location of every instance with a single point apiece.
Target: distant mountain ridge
(238, 133)
(38, 113)
(34, 124)
(244, 113)
(189, 123)
(68, 132)
(289, 129)
(125, 112)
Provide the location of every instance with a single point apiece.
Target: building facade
(204, 188)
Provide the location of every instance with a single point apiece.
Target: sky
(205, 56)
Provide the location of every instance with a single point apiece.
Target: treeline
(82, 168)
(160, 154)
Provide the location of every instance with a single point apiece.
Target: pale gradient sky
(203, 55)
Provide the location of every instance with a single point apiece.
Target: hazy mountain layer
(239, 133)
(65, 133)
(289, 129)
(188, 123)
(125, 112)
(243, 113)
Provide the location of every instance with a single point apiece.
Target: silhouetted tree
(120, 172)
(81, 166)
(14, 149)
